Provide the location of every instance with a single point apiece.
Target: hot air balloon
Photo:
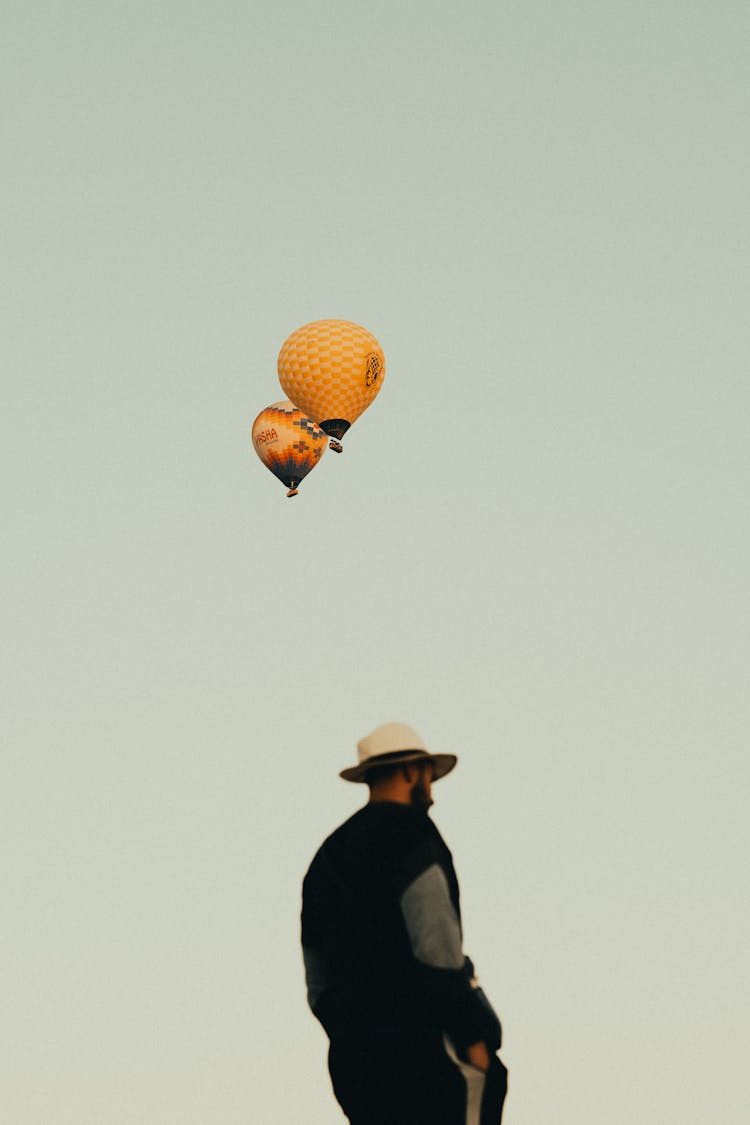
(288, 443)
(332, 370)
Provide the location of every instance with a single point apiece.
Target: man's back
(358, 952)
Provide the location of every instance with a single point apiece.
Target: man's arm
(434, 931)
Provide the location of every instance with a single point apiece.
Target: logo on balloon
(372, 368)
(264, 436)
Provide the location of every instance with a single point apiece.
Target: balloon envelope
(332, 370)
(288, 443)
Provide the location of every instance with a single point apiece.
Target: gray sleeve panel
(316, 975)
(431, 920)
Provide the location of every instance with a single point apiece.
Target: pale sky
(534, 547)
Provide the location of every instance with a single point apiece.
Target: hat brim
(443, 764)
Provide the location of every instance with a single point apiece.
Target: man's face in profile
(421, 794)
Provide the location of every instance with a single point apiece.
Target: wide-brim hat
(395, 744)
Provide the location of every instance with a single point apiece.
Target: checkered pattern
(287, 442)
(331, 369)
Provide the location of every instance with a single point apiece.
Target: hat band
(391, 756)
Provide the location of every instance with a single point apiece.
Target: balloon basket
(336, 446)
(292, 492)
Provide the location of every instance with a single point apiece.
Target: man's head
(409, 783)
(396, 764)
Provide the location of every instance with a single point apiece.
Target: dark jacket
(381, 932)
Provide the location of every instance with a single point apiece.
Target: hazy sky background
(534, 547)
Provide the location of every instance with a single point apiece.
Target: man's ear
(410, 772)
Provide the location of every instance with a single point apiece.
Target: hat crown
(389, 738)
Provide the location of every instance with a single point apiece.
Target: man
(412, 1036)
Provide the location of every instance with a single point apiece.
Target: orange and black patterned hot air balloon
(332, 370)
(288, 443)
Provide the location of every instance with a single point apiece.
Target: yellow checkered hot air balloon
(288, 443)
(332, 370)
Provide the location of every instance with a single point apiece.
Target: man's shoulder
(380, 821)
(378, 827)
